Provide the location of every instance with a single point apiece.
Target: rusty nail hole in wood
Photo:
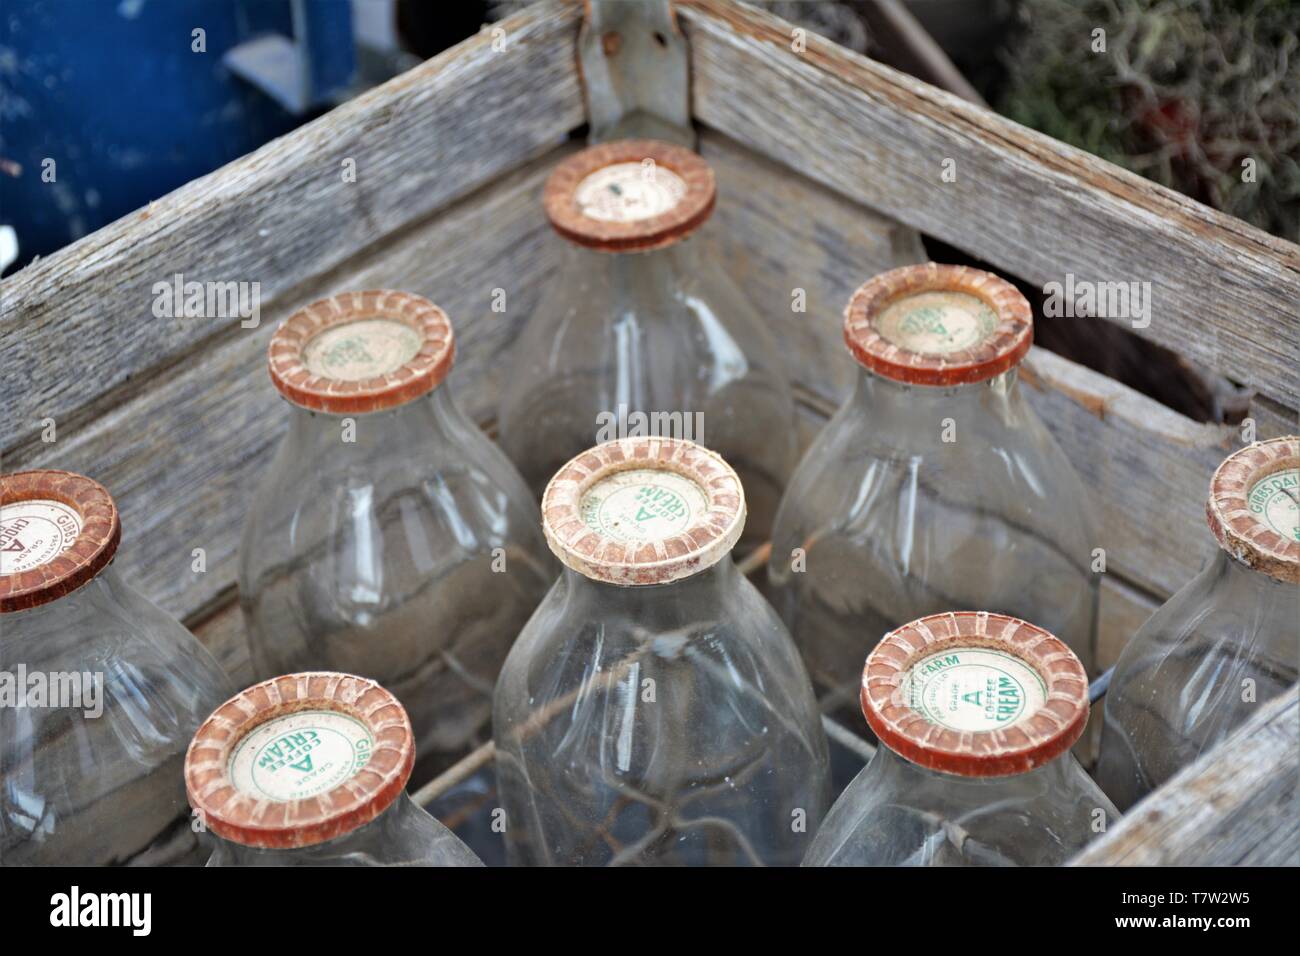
(610, 42)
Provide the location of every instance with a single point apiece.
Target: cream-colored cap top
(640, 511)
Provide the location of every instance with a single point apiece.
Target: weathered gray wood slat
(222, 633)
(1224, 293)
(182, 458)
(778, 233)
(1123, 610)
(1147, 467)
(79, 324)
(1234, 806)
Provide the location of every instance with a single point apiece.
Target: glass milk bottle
(390, 538)
(100, 690)
(642, 333)
(1224, 644)
(654, 711)
(311, 770)
(975, 714)
(934, 486)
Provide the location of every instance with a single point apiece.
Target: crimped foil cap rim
(1003, 348)
(90, 552)
(1030, 740)
(708, 537)
(1236, 526)
(429, 363)
(233, 813)
(641, 234)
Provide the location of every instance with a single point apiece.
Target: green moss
(1184, 92)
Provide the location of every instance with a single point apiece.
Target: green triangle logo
(973, 698)
(304, 764)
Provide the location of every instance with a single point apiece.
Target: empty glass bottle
(311, 770)
(654, 711)
(391, 538)
(100, 690)
(1224, 644)
(934, 486)
(975, 714)
(642, 332)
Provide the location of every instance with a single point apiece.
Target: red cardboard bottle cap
(358, 352)
(300, 759)
(641, 511)
(630, 195)
(938, 325)
(1253, 510)
(975, 693)
(57, 531)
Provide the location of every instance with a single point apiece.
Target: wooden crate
(829, 169)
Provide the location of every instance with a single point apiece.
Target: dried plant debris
(1202, 96)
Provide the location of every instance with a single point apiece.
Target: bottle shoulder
(863, 468)
(896, 814)
(725, 646)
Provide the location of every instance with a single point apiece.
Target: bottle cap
(630, 195)
(1253, 510)
(975, 693)
(57, 531)
(298, 760)
(358, 352)
(643, 511)
(938, 325)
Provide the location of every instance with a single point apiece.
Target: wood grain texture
(1147, 467)
(1123, 610)
(1235, 806)
(779, 234)
(222, 632)
(1224, 293)
(77, 330)
(182, 458)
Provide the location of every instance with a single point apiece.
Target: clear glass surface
(412, 556)
(895, 523)
(1200, 666)
(403, 835)
(896, 813)
(653, 332)
(662, 725)
(88, 786)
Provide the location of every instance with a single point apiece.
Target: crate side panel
(79, 329)
(1222, 292)
(1235, 806)
(182, 458)
(799, 250)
